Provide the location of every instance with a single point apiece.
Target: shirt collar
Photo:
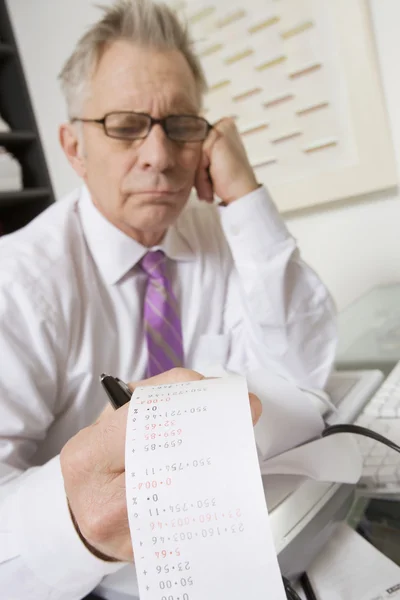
(114, 252)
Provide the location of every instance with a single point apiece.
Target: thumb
(255, 407)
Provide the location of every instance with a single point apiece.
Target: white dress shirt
(71, 305)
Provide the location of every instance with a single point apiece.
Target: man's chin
(155, 215)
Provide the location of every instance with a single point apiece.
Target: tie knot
(153, 264)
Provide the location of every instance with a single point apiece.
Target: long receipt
(197, 513)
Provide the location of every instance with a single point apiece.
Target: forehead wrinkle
(139, 92)
(133, 78)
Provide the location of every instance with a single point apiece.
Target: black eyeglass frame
(151, 120)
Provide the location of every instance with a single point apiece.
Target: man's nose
(157, 151)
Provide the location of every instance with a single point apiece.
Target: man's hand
(224, 168)
(93, 468)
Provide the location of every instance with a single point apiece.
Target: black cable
(291, 593)
(307, 587)
(357, 429)
(333, 430)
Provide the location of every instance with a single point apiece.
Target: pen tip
(102, 376)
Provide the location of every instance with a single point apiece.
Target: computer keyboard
(349, 392)
(386, 401)
(361, 398)
(381, 470)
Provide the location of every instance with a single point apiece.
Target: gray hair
(142, 22)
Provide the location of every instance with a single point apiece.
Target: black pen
(116, 390)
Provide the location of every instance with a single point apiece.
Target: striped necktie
(161, 317)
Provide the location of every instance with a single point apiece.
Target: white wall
(353, 247)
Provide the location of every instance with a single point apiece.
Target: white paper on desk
(289, 416)
(349, 568)
(197, 512)
(336, 458)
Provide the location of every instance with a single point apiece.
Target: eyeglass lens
(180, 128)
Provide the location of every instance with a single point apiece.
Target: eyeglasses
(137, 126)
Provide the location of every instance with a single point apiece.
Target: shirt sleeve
(41, 555)
(279, 314)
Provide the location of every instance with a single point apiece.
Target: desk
(369, 338)
(369, 331)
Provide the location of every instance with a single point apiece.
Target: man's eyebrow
(183, 111)
(184, 105)
(184, 108)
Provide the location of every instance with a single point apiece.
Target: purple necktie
(161, 317)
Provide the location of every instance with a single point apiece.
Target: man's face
(142, 185)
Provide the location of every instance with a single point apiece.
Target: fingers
(107, 435)
(225, 127)
(216, 133)
(203, 185)
(203, 179)
(109, 432)
(93, 465)
(203, 182)
(226, 161)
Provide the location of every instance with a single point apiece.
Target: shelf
(18, 208)
(23, 196)
(11, 139)
(6, 50)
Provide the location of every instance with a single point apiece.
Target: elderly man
(127, 276)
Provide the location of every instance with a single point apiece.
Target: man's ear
(72, 144)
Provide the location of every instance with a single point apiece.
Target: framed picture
(300, 78)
